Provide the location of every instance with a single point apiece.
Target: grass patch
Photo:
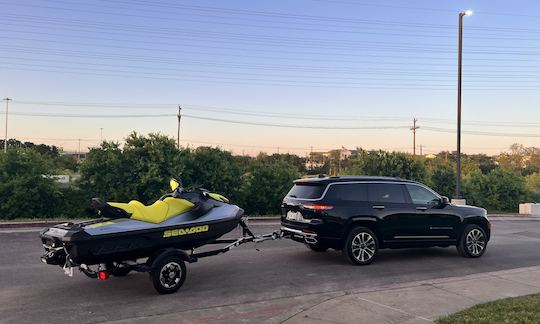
(525, 309)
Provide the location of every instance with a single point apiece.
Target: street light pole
(7, 100)
(460, 58)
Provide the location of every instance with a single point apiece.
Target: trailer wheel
(168, 274)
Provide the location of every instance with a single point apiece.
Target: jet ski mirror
(174, 184)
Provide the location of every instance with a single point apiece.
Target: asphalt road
(31, 292)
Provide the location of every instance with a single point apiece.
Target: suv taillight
(318, 207)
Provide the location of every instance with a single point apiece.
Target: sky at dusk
(344, 72)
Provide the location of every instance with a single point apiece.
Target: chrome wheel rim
(475, 242)
(363, 247)
(170, 274)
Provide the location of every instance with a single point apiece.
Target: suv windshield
(306, 191)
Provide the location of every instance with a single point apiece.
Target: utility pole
(178, 134)
(414, 128)
(100, 135)
(79, 151)
(421, 150)
(7, 100)
(460, 58)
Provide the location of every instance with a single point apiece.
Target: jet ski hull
(106, 241)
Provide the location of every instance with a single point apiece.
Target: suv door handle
(421, 208)
(378, 207)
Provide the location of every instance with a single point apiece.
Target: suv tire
(473, 242)
(361, 246)
(316, 247)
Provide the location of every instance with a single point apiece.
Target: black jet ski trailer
(158, 239)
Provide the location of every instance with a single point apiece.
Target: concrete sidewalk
(422, 302)
(414, 302)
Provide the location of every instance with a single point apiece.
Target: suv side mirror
(444, 201)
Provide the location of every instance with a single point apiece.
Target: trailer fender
(160, 255)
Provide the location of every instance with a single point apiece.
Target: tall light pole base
(459, 201)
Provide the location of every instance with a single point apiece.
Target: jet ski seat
(156, 213)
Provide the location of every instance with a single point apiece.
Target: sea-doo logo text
(185, 231)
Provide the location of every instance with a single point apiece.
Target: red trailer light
(103, 275)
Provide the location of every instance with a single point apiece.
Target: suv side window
(347, 192)
(420, 195)
(386, 193)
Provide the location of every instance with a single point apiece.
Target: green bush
(499, 190)
(265, 184)
(25, 189)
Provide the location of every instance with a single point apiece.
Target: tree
(66, 162)
(532, 182)
(215, 170)
(292, 159)
(25, 189)
(443, 179)
(485, 163)
(499, 190)
(265, 184)
(139, 171)
(151, 161)
(392, 164)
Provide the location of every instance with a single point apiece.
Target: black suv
(360, 215)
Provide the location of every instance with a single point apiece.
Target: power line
(293, 126)
(137, 30)
(266, 114)
(424, 8)
(290, 67)
(428, 128)
(264, 13)
(243, 12)
(32, 19)
(392, 49)
(37, 114)
(33, 114)
(370, 75)
(452, 131)
(268, 82)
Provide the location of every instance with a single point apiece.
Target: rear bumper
(299, 235)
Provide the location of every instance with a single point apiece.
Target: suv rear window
(306, 191)
(347, 192)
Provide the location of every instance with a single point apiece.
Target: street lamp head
(467, 13)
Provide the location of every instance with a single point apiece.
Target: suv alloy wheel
(472, 243)
(361, 246)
